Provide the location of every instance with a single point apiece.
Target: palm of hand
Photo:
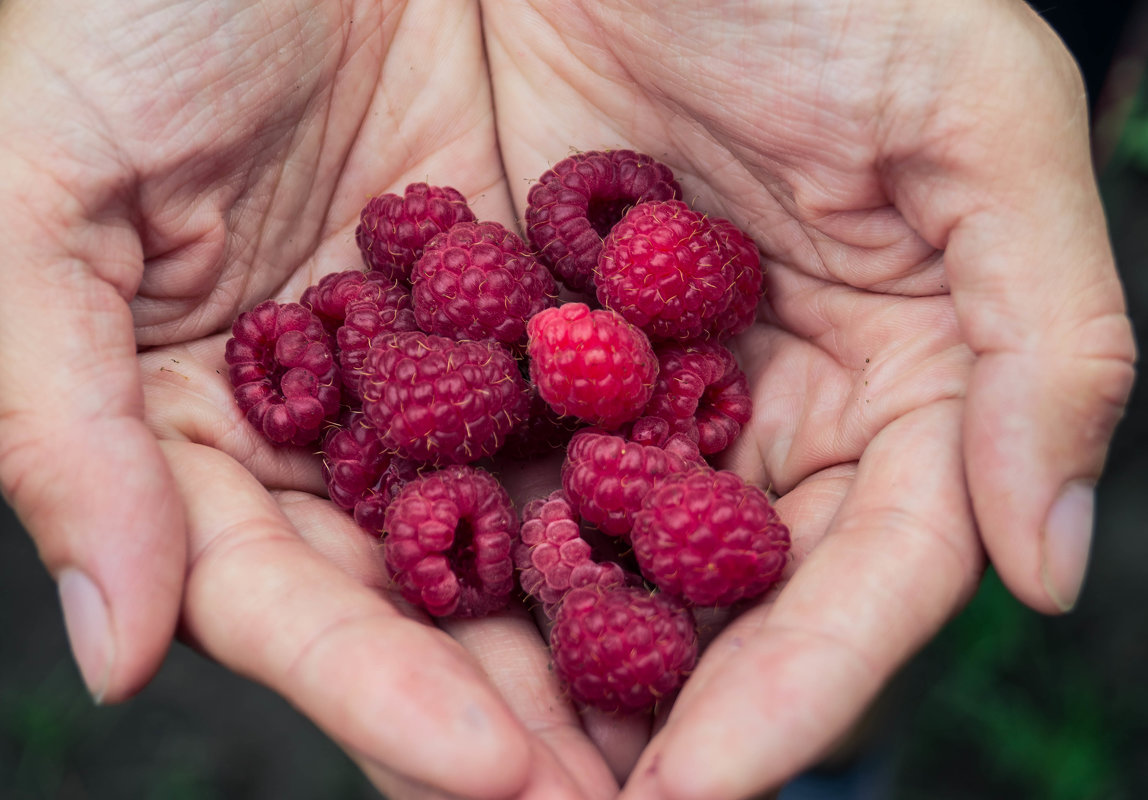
(858, 364)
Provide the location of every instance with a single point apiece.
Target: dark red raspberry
(553, 557)
(591, 364)
(709, 538)
(370, 511)
(656, 431)
(700, 392)
(748, 279)
(623, 648)
(285, 379)
(359, 470)
(328, 298)
(662, 268)
(606, 477)
(393, 230)
(477, 281)
(543, 431)
(442, 401)
(576, 202)
(447, 541)
(374, 314)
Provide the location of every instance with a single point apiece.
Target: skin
(943, 348)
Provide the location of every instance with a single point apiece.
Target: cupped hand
(943, 351)
(166, 166)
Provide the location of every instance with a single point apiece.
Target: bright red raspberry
(553, 557)
(700, 392)
(606, 477)
(477, 281)
(576, 202)
(394, 229)
(442, 401)
(748, 278)
(447, 541)
(662, 268)
(384, 308)
(285, 378)
(591, 364)
(709, 538)
(622, 648)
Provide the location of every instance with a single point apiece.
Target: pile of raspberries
(451, 350)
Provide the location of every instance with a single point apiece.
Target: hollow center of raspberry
(605, 212)
(610, 549)
(462, 556)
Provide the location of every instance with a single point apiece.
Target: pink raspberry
(376, 313)
(553, 557)
(607, 477)
(700, 392)
(662, 268)
(358, 469)
(748, 279)
(447, 541)
(656, 431)
(622, 648)
(709, 538)
(478, 280)
(442, 401)
(576, 202)
(591, 364)
(393, 229)
(285, 379)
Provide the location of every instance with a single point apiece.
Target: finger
(264, 604)
(513, 653)
(784, 682)
(76, 461)
(1013, 201)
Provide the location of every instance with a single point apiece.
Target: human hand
(167, 166)
(944, 350)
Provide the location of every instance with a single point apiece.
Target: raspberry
(662, 268)
(373, 314)
(370, 510)
(739, 251)
(576, 202)
(447, 542)
(440, 401)
(591, 364)
(283, 372)
(622, 649)
(361, 475)
(328, 298)
(606, 477)
(543, 431)
(709, 538)
(478, 280)
(553, 557)
(393, 230)
(700, 392)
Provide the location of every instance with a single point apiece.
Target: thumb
(77, 463)
(1011, 198)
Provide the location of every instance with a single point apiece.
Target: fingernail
(1067, 541)
(89, 631)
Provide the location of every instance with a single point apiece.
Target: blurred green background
(1003, 704)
